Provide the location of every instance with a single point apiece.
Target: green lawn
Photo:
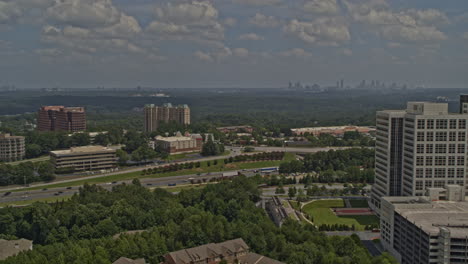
(27, 202)
(359, 203)
(322, 214)
(204, 168)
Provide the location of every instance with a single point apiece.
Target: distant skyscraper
(464, 104)
(342, 84)
(60, 118)
(154, 115)
(418, 148)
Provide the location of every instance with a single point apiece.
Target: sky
(232, 43)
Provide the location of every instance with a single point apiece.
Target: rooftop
(123, 260)
(81, 150)
(3, 136)
(330, 128)
(430, 216)
(10, 248)
(173, 139)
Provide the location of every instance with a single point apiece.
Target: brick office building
(60, 118)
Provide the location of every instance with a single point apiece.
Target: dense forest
(81, 230)
(269, 108)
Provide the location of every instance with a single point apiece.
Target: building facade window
(429, 148)
(453, 124)
(430, 124)
(441, 124)
(421, 124)
(420, 148)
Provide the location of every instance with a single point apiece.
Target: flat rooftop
(174, 139)
(439, 214)
(330, 128)
(82, 150)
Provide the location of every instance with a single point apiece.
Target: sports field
(322, 214)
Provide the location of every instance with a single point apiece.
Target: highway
(146, 182)
(19, 195)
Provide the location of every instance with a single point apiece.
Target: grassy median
(204, 168)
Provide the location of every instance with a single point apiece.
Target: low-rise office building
(180, 144)
(335, 131)
(11, 148)
(236, 129)
(426, 229)
(86, 158)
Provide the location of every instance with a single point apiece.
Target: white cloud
(203, 56)
(465, 35)
(263, 21)
(84, 13)
(240, 52)
(322, 31)
(194, 21)
(251, 36)
(321, 7)
(126, 27)
(9, 12)
(200, 13)
(258, 2)
(296, 53)
(410, 25)
(412, 34)
(230, 21)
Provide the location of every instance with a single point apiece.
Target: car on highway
(149, 184)
(69, 188)
(45, 189)
(60, 192)
(171, 184)
(7, 193)
(114, 182)
(56, 194)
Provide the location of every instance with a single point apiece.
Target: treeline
(80, 230)
(263, 156)
(26, 173)
(349, 165)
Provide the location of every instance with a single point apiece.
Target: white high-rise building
(421, 147)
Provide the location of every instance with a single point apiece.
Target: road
(299, 150)
(146, 182)
(58, 192)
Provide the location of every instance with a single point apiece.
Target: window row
(441, 124)
(437, 184)
(440, 148)
(441, 136)
(440, 173)
(440, 161)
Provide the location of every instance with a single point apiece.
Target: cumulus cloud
(230, 21)
(321, 7)
(201, 13)
(84, 13)
(296, 53)
(240, 52)
(9, 12)
(322, 31)
(264, 21)
(203, 56)
(194, 21)
(251, 36)
(410, 25)
(258, 2)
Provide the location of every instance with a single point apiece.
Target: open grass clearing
(28, 202)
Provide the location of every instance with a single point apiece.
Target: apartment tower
(154, 115)
(421, 147)
(12, 148)
(60, 118)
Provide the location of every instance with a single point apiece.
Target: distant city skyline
(232, 43)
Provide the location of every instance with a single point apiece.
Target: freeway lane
(19, 195)
(146, 182)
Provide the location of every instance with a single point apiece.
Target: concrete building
(426, 229)
(232, 251)
(9, 248)
(335, 131)
(60, 118)
(421, 147)
(154, 115)
(464, 104)
(236, 129)
(86, 158)
(179, 144)
(11, 148)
